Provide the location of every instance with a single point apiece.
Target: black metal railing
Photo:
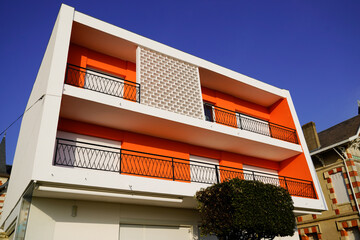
(93, 156)
(249, 123)
(101, 82)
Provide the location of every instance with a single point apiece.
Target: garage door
(149, 232)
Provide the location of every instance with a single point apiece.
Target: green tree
(239, 209)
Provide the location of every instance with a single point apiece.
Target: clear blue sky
(311, 48)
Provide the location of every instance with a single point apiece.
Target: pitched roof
(339, 132)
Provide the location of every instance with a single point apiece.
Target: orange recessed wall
(232, 103)
(149, 144)
(87, 58)
(295, 167)
(280, 114)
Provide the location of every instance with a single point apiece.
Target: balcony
(249, 123)
(102, 82)
(78, 154)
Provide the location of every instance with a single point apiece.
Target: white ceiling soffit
(118, 42)
(236, 88)
(102, 42)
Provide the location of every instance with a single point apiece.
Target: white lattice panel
(170, 84)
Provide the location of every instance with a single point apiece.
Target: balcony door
(253, 124)
(76, 150)
(204, 170)
(154, 232)
(261, 174)
(100, 81)
(209, 112)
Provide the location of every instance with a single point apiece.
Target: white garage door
(148, 232)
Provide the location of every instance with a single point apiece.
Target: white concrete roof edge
(172, 52)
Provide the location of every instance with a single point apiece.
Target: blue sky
(311, 48)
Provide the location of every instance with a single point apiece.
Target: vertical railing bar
(313, 188)
(213, 113)
(173, 170)
(240, 121)
(56, 150)
(120, 161)
(287, 188)
(217, 174)
(139, 87)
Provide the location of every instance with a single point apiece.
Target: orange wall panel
(84, 57)
(154, 145)
(280, 114)
(295, 167)
(234, 104)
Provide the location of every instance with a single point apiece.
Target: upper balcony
(252, 136)
(249, 123)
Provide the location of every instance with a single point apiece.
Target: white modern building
(123, 131)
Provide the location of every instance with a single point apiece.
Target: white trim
(107, 194)
(334, 145)
(321, 202)
(200, 92)
(138, 78)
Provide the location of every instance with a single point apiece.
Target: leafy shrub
(240, 209)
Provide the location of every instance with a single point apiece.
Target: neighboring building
(124, 130)
(4, 177)
(336, 156)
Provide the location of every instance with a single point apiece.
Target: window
(77, 150)
(312, 236)
(204, 169)
(353, 233)
(338, 182)
(261, 174)
(209, 114)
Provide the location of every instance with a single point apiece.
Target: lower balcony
(78, 154)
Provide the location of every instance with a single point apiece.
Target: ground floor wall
(69, 219)
(76, 219)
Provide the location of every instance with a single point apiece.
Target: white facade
(77, 203)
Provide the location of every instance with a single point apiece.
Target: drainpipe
(348, 176)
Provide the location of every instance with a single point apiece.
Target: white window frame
(339, 185)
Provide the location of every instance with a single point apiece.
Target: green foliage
(240, 209)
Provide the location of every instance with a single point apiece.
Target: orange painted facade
(86, 58)
(232, 103)
(294, 167)
(279, 113)
(149, 144)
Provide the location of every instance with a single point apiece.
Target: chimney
(311, 136)
(358, 107)
(3, 156)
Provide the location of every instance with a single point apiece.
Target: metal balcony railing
(249, 123)
(93, 156)
(101, 82)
